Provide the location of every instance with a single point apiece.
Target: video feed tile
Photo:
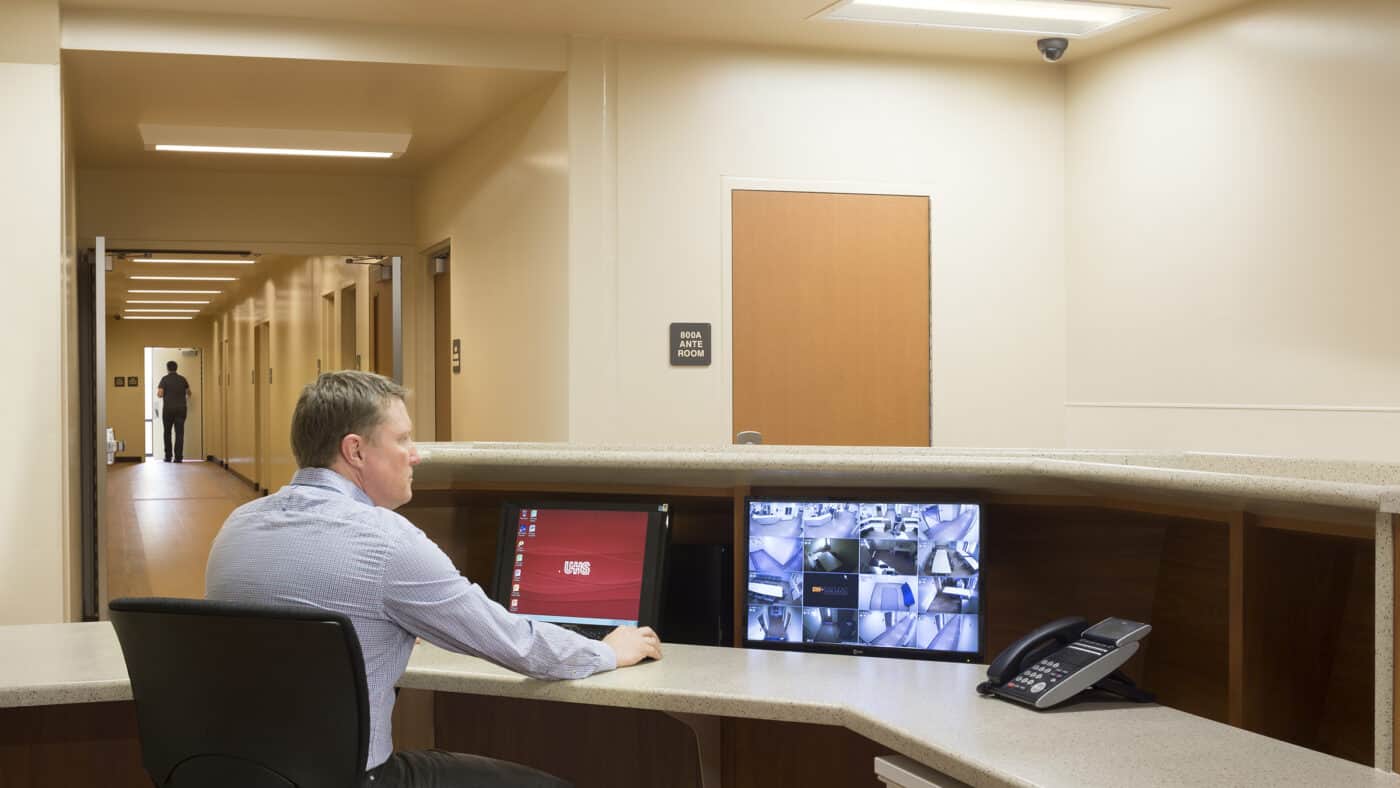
(948, 595)
(772, 518)
(829, 520)
(887, 629)
(770, 589)
(775, 623)
(947, 632)
(952, 522)
(829, 625)
(888, 556)
(831, 555)
(888, 593)
(774, 555)
(951, 559)
(831, 589)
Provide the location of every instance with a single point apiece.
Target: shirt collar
(327, 479)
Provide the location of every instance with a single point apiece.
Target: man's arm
(426, 595)
(160, 392)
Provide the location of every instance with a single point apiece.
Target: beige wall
(36, 474)
(1232, 203)
(127, 341)
(986, 140)
(503, 200)
(242, 207)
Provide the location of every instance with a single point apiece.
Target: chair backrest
(245, 696)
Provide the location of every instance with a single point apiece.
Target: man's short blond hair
(335, 405)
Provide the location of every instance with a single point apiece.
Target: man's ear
(352, 450)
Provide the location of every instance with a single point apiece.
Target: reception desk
(1269, 584)
(926, 711)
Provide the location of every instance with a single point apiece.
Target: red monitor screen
(578, 565)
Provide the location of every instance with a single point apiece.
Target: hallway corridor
(162, 519)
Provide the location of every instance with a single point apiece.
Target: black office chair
(237, 696)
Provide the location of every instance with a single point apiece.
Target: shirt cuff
(607, 658)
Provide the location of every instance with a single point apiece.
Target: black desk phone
(1064, 658)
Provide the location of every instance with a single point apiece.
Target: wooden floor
(162, 518)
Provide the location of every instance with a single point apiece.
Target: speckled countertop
(1336, 490)
(925, 710)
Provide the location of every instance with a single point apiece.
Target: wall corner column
(593, 246)
(34, 485)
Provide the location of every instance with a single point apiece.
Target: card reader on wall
(1064, 658)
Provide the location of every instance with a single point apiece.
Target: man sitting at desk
(331, 540)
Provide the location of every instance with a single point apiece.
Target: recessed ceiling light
(157, 317)
(353, 154)
(1070, 18)
(275, 142)
(187, 278)
(140, 301)
(175, 292)
(173, 311)
(190, 261)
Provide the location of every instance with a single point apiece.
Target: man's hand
(632, 645)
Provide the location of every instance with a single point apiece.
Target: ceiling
(783, 23)
(111, 92)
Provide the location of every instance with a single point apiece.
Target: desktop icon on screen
(532, 527)
(524, 528)
(519, 557)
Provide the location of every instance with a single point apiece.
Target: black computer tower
(698, 604)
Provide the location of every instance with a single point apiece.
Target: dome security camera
(1052, 49)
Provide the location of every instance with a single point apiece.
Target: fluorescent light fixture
(175, 292)
(274, 142)
(353, 154)
(191, 261)
(187, 278)
(172, 311)
(157, 317)
(1069, 18)
(140, 301)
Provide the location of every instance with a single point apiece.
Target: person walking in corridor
(174, 391)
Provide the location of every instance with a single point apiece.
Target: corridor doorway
(190, 363)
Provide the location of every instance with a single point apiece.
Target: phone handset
(1062, 659)
(1029, 649)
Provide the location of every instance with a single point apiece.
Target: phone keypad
(1041, 676)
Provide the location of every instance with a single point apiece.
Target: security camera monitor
(589, 567)
(886, 578)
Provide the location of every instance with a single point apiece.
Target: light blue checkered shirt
(320, 542)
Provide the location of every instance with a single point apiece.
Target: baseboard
(129, 459)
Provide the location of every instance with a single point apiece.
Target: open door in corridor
(190, 363)
(831, 317)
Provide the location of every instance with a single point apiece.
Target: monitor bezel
(856, 649)
(654, 562)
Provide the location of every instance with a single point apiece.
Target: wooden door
(831, 318)
(442, 355)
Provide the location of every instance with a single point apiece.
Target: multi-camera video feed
(866, 574)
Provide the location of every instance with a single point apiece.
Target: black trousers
(174, 417)
(440, 769)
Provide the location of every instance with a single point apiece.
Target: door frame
(731, 184)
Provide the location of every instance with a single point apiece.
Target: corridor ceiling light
(274, 142)
(157, 317)
(1069, 18)
(175, 292)
(139, 301)
(181, 311)
(187, 278)
(190, 261)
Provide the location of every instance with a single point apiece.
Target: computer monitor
(589, 565)
(879, 577)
